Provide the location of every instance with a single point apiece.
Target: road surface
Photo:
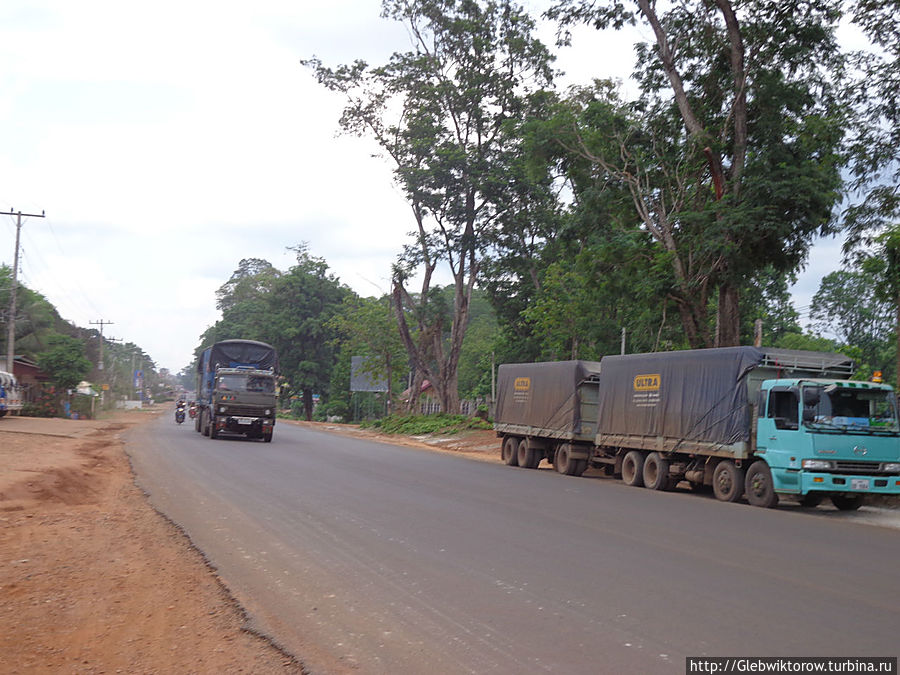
(357, 555)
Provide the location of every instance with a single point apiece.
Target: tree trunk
(728, 321)
(308, 404)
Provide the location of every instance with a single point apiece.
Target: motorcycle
(179, 414)
(192, 411)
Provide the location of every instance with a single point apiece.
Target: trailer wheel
(633, 469)
(811, 499)
(564, 464)
(526, 455)
(656, 472)
(847, 502)
(728, 481)
(509, 451)
(758, 486)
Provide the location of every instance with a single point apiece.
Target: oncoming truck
(757, 422)
(236, 389)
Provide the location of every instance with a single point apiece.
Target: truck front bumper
(800, 482)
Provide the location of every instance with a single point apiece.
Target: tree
(438, 112)
(64, 361)
(300, 307)
(731, 153)
(848, 306)
(874, 144)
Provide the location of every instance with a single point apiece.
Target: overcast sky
(166, 141)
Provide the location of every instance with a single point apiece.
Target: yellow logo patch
(522, 384)
(646, 382)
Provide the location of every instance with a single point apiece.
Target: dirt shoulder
(92, 578)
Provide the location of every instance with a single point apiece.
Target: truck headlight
(890, 467)
(817, 464)
(222, 409)
(269, 412)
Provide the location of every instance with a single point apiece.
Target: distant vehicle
(765, 423)
(10, 394)
(179, 412)
(236, 389)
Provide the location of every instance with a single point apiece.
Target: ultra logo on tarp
(521, 387)
(646, 390)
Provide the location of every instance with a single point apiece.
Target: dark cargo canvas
(542, 395)
(696, 395)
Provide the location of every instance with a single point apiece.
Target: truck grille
(245, 410)
(860, 468)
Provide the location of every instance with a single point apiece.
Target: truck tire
(564, 464)
(526, 456)
(509, 451)
(758, 486)
(728, 481)
(656, 472)
(213, 432)
(204, 423)
(633, 468)
(811, 499)
(847, 502)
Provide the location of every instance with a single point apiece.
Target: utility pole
(101, 323)
(11, 322)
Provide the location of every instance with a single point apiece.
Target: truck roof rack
(808, 361)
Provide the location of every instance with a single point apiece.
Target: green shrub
(415, 425)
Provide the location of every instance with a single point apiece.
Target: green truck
(757, 422)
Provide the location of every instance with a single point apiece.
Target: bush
(414, 425)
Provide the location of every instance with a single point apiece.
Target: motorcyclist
(179, 411)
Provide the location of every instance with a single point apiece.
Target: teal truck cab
(823, 437)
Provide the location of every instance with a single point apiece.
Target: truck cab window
(783, 408)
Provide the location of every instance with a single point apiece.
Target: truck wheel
(811, 499)
(564, 464)
(847, 502)
(633, 469)
(204, 424)
(267, 438)
(758, 486)
(728, 481)
(656, 472)
(213, 432)
(526, 455)
(509, 451)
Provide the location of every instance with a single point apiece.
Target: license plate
(859, 483)
(244, 420)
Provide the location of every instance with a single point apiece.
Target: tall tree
(438, 112)
(300, 308)
(751, 171)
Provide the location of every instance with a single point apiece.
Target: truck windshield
(250, 383)
(857, 410)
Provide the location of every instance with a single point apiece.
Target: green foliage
(415, 425)
(731, 154)
(64, 361)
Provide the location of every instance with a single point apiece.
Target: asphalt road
(366, 556)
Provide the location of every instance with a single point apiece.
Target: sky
(167, 141)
